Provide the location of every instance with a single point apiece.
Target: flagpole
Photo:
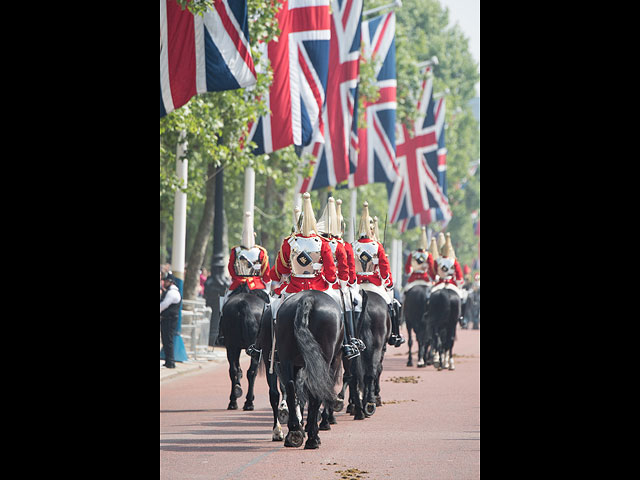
(396, 4)
(178, 245)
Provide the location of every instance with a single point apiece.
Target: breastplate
(366, 256)
(247, 262)
(419, 262)
(446, 267)
(305, 258)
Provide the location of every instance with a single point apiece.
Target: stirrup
(350, 351)
(392, 339)
(254, 352)
(359, 344)
(399, 341)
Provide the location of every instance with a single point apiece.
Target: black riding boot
(255, 350)
(395, 339)
(351, 320)
(348, 348)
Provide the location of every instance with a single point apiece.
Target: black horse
(308, 338)
(414, 312)
(353, 379)
(239, 325)
(444, 313)
(374, 331)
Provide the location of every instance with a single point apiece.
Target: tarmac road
(424, 430)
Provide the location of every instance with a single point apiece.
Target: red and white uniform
(253, 282)
(372, 268)
(426, 272)
(314, 278)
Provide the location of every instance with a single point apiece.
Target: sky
(467, 14)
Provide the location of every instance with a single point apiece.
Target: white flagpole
(179, 239)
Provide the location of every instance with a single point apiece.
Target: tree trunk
(163, 242)
(196, 259)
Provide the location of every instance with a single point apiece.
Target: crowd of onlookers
(204, 274)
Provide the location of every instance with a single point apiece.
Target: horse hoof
(237, 390)
(332, 420)
(312, 443)
(247, 406)
(349, 409)
(324, 426)
(421, 364)
(232, 406)
(294, 439)
(277, 435)
(370, 408)
(283, 416)
(359, 415)
(378, 401)
(409, 363)
(338, 405)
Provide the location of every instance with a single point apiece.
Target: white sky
(467, 14)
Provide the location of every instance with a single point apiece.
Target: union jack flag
(332, 158)
(300, 60)
(418, 196)
(377, 141)
(203, 53)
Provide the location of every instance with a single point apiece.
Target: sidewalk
(218, 356)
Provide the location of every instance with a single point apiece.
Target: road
(427, 428)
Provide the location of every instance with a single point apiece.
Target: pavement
(214, 357)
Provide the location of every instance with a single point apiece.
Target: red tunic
(252, 282)
(321, 281)
(459, 280)
(342, 262)
(383, 273)
(351, 261)
(428, 276)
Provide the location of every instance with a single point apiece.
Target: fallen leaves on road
(410, 379)
(351, 473)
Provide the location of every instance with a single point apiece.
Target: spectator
(169, 311)
(204, 274)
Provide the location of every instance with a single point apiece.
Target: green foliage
(216, 124)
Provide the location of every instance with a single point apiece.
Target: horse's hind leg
(327, 416)
(274, 399)
(233, 356)
(313, 440)
(295, 436)
(251, 378)
(410, 344)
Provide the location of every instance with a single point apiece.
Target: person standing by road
(170, 301)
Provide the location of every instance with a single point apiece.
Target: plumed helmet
(341, 222)
(433, 248)
(375, 230)
(423, 239)
(308, 226)
(441, 241)
(364, 227)
(447, 251)
(248, 239)
(296, 220)
(328, 222)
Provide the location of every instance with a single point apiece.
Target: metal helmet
(328, 222)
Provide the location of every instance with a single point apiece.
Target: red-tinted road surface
(424, 430)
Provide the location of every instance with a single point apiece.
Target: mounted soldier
(248, 264)
(304, 262)
(329, 229)
(420, 265)
(373, 272)
(449, 273)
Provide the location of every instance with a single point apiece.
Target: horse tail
(317, 377)
(245, 317)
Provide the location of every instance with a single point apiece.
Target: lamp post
(217, 283)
